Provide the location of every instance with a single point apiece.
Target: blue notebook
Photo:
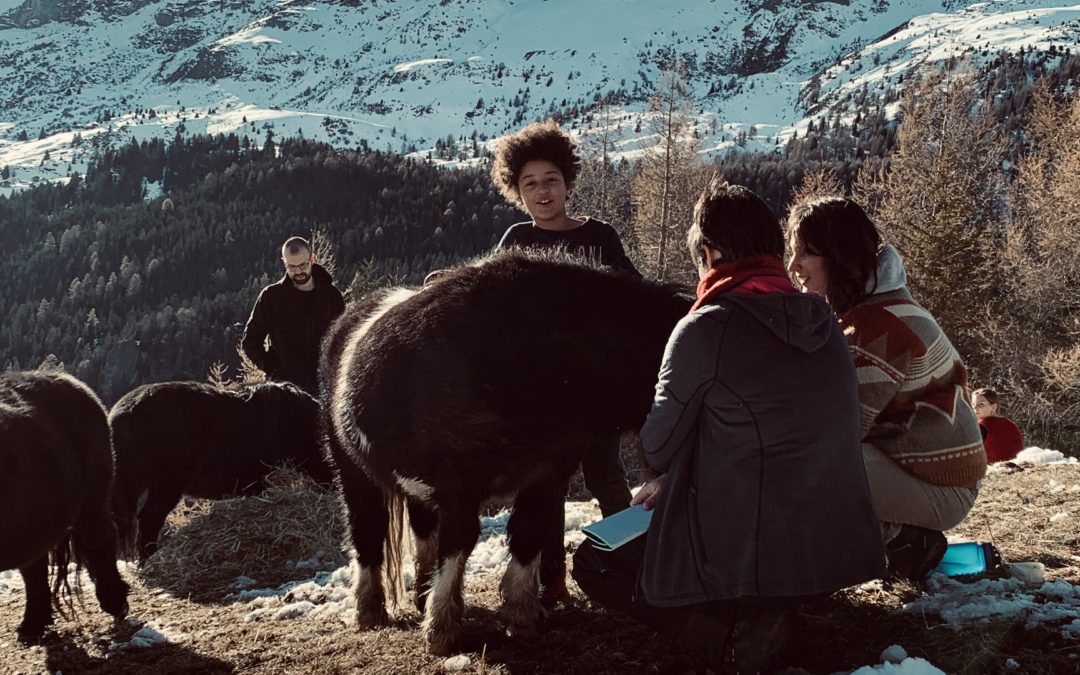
(617, 529)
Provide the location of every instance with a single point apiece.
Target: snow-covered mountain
(405, 73)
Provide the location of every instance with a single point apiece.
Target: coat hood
(891, 275)
(802, 320)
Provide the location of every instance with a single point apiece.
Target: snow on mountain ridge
(983, 27)
(409, 72)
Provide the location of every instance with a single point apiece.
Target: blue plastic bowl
(965, 557)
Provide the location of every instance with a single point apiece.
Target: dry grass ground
(1017, 510)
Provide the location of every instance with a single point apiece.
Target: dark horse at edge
(493, 379)
(193, 438)
(55, 471)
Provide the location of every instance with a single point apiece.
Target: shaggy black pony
(492, 379)
(55, 473)
(192, 438)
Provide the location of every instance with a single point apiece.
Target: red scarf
(764, 274)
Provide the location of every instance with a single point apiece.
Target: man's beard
(301, 279)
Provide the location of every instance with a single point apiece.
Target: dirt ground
(1018, 510)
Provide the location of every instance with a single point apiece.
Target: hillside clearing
(1032, 513)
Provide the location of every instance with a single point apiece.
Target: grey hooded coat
(756, 425)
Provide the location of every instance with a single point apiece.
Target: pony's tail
(60, 557)
(394, 549)
(126, 491)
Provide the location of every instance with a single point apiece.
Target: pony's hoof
(522, 620)
(367, 619)
(120, 612)
(441, 644)
(113, 599)
(524, 632)
(29, 635)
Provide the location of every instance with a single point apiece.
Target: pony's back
(491, 361)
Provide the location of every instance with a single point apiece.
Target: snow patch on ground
(1027, 596)
(1036, 455)
(909, 666)
(893, 654)
(10, 581)
(151, 634)
(456, 664)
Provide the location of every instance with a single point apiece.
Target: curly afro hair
(540, 140)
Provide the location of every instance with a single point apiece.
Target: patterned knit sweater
(913, 386)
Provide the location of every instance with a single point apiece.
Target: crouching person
(923, 452)
(762, 502)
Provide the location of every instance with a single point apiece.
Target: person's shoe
(914, 552)
(760, 635)
(552, 582)
(707, 636)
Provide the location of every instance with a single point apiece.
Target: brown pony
(55, 472)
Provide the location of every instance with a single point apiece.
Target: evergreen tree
(941, 201)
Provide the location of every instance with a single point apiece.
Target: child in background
(1001, 437)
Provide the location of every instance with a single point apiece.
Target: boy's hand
(649, 494)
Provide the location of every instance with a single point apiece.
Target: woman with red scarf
(763, 500)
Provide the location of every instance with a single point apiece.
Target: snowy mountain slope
(976, 32)
(403, 73)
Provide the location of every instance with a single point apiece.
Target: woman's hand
(649, 494)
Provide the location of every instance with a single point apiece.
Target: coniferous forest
(123, 291)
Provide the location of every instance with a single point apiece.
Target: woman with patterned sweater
(921, 443)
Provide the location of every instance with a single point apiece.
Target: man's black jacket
(296, 321)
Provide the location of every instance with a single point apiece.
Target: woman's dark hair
(540, 140)
(987, 393)
(733, 221)
(839, 230)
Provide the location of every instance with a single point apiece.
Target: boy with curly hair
(535, 170)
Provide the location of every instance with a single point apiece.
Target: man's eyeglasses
(301, 267)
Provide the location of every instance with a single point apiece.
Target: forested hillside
(124, 290)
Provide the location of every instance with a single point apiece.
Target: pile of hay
(208, 544)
